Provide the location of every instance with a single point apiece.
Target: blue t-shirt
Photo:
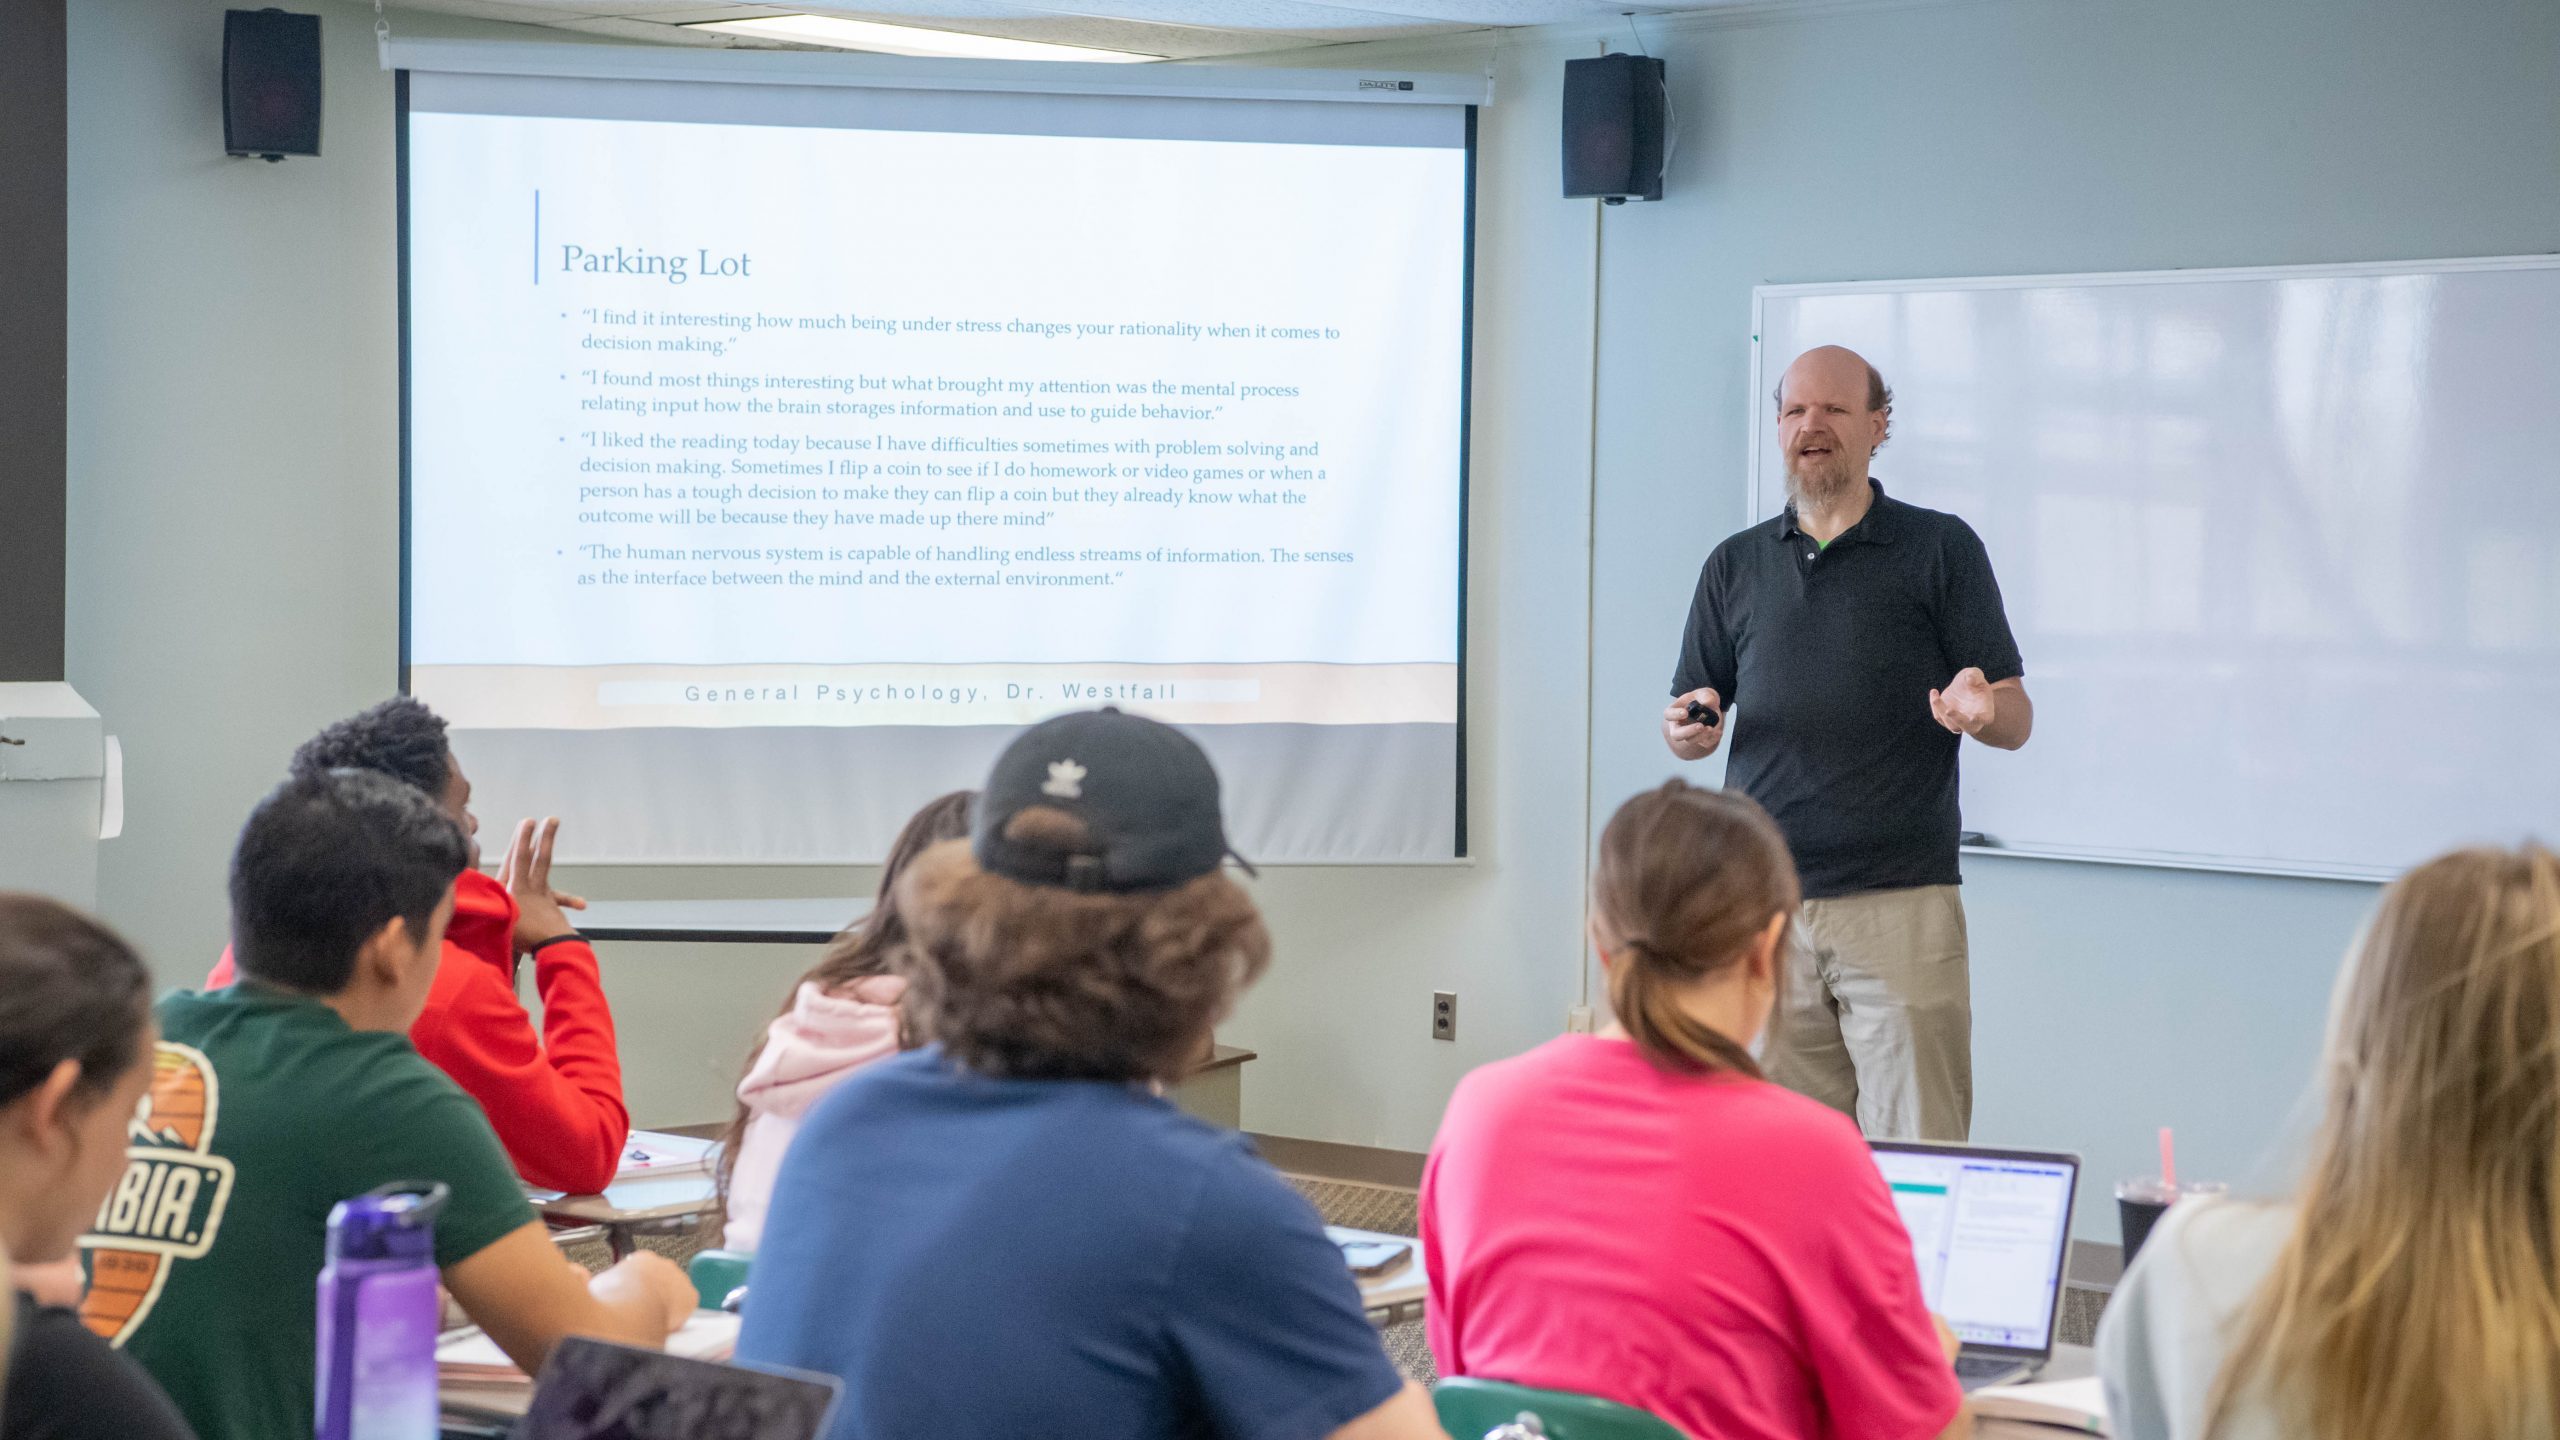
(1002, 1258)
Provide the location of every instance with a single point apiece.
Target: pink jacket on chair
(808, 1051)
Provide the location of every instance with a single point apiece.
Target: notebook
(2076, 1405)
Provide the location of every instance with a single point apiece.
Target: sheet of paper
(652, 1152)
(469, 1354)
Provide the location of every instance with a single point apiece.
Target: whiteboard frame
(1762, 294)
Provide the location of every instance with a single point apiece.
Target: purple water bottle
(378, 1313)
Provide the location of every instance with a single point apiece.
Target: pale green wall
(2042, 136)
(232, 580)
(1858, 142)
(234, 586)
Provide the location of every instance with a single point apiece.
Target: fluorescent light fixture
(909, 39)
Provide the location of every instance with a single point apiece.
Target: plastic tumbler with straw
(2141, 1203)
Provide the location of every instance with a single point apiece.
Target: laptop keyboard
(1976, 1371)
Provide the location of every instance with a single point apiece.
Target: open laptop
(597, 1390)
(1991, 1230)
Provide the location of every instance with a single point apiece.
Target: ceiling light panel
(885, 39)
(1046, 22)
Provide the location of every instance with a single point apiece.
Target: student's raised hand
(526, 872)
(645, 1279)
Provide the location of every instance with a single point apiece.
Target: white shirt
(2169, 1327)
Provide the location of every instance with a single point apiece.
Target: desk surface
(638, 1200)
(772, 922)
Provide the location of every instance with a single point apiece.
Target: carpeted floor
(1388, 1210)
(1383, 1208)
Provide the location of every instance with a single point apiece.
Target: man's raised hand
(526, 872)
(1966, 705)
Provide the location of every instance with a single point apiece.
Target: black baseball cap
(1145, 791)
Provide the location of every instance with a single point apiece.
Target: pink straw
(2168, 1160)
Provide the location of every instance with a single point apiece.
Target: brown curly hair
(1039, 982)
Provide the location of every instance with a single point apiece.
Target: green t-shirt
(265, 1110)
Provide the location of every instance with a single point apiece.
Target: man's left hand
(1966, 705)
(527, 875)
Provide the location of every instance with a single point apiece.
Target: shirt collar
(1876, 527)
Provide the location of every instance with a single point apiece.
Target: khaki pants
(1875, 1014)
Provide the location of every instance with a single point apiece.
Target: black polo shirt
(1830, 656)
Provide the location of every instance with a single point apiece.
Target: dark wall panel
(33, 166)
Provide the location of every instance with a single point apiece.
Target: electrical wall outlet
(1577, 1021)
(1444, 1014)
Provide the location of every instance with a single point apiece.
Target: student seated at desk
(2411, 1286)
(1638, 1215)
(296, 1088)
(75, 1054)
(1010, 1232)
(554, 1099)
(842, 1016)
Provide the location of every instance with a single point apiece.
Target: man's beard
(1820, 483)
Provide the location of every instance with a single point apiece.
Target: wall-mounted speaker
(270, 83)
(1615, 107)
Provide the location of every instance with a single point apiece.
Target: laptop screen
(1989, 1230)
(597, 1390)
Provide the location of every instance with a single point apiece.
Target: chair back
(1472, 1409)
(719, 1277)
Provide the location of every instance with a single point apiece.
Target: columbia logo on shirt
(168, 1207)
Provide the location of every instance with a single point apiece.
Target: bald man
(1856, 640)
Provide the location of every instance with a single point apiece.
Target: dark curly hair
(400, 738)
(326, 860)
(1039, 982)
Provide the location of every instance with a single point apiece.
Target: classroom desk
(1215, 1091)
(487, 1409)
(1396, 1295)
(629, 1208)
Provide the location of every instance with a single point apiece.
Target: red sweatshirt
(556, 1100)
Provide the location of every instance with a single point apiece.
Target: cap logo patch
(1066, 780)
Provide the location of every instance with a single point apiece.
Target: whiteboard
(2281, 546)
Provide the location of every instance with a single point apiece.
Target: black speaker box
(270, 83)
(1614, 109)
